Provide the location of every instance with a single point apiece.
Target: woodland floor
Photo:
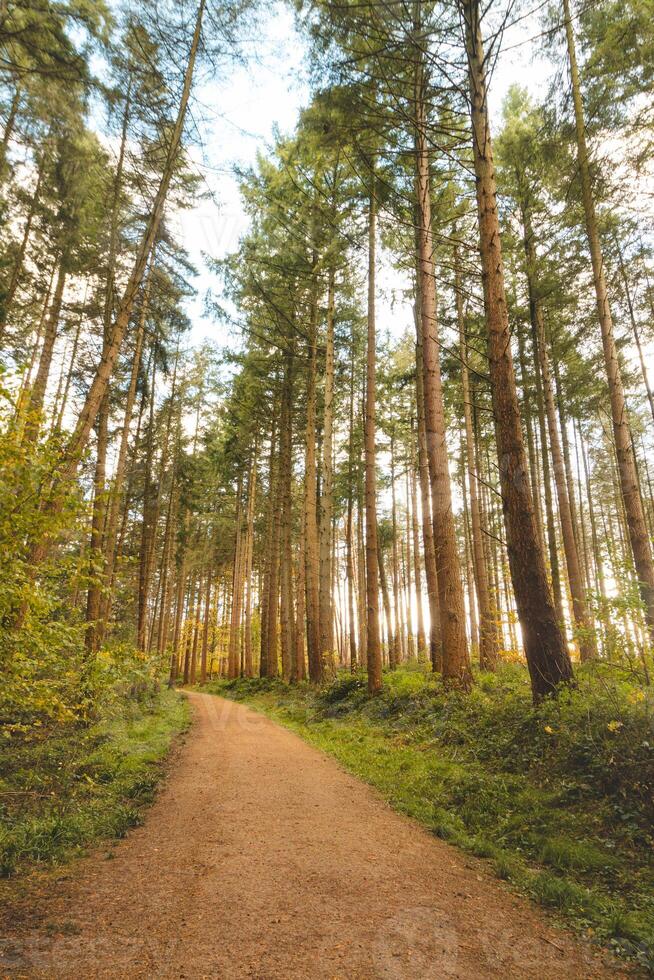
(261, 858)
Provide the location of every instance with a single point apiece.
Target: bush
(80, 785)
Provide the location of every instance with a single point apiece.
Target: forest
(404, 503)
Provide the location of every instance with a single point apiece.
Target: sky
(237, 117)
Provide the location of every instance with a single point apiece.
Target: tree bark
(373, 652)
(585, 627)
(349, 527)
(287, 624)
(233, 660)
(417, 571)
(435, 645)
(311, 544)
(633, 505)
(37, 394)
(488, 647)
(547, 656)
(326, 486)
(456, 664)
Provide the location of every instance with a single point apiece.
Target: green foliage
(40, 660)
(59, 795)
(559, 798)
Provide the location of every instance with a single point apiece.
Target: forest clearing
(327, 387)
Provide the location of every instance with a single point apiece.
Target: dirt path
(262, 859)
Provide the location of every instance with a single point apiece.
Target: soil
(262, 859)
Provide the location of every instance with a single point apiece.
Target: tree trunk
(456, 665)
(233, 662)
(362, 615)
(20, 257)
(408, 570)
(251, 505)
(431, 575)
(633, 505)
(116, 495)
(287, 625)
(94, 594)
(299, 672)
(635, 330)
(547, 656)
(9, 127)
(386, 602)
(205, 629)
(394, 648)
(488, 647)
(37, 394)
(349, 528)
(417, 571)
(555, 573)
(311, 545)
(373, 653)
(326, 486)
(585, 627)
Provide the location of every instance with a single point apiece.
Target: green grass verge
(60, 794)
(558, 799)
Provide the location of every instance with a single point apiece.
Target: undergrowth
(82, 784)
(559, 799)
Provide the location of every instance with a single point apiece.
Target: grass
(560, 800)
(62, 793)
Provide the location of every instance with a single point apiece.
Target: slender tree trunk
(148, 524)
(635, 330)
(488, 650)
(311, 545)
(555, 573)
(326, 487)
(188, 624)
(373, 653)
(196, 627)
(94, 594)
(349, 527)
(417, 571)
(37, 394)
(162, 633)
(408, 572)
(587, 644)
(299, 673)
(287, 624)
(9, 129)
(116, 495)
(19, 261)
(469, 560)
(386, 602)
(361, 572)
(395, 648)
(456, 664)
(251, 506)
(272, 662)
(179, 615)
(547, 656)
(431, 575)
(237, 591)
(529, 432)
(23, 395)
(206, 625)
(633, 505)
